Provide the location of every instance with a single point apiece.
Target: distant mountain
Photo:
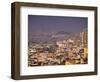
(63, 32)
(53, 37)
(61, 35)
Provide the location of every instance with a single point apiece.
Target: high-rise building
(83, 37)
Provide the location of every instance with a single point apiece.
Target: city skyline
(56, 40)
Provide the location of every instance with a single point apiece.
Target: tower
(83, 37)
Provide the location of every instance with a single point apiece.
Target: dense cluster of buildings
(71, 50)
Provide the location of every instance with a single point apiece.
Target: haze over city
(38, 25)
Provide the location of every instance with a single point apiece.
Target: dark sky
(47, 24)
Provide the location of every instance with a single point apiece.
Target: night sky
(48, 24)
